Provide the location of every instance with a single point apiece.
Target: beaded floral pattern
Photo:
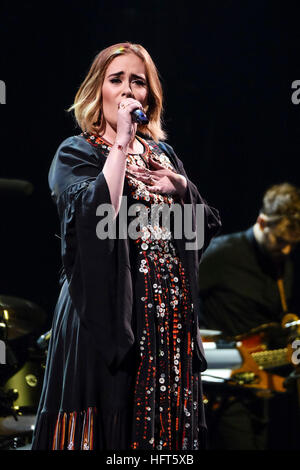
(166, 392)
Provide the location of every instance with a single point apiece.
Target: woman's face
(125, 78)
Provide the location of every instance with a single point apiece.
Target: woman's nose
(127, 91)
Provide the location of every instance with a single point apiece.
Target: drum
(22, 369)
(26, 386)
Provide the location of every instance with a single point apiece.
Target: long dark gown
(151, 398)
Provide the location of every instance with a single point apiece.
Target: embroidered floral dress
(153, 398)
(166, 395)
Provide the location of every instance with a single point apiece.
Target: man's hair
(281, 203)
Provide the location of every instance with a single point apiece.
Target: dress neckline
(97, 139)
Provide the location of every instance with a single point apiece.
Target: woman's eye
(139, 82)
(115, 80)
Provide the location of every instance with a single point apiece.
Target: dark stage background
(227, 68)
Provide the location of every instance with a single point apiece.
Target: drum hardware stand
(6, 403)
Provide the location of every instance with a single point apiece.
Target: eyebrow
(117, 74)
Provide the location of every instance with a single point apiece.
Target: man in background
(247, 279)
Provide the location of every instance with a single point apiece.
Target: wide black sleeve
(91, 264)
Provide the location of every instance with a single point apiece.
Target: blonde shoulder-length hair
(87, 105)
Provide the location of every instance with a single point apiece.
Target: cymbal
(19, 317)
(15, 187)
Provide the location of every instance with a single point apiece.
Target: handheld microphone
(139, 116)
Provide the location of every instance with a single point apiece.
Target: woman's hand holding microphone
(115, 166)
(126, 127)
(158, 178)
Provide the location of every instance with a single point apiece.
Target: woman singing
(125, 355)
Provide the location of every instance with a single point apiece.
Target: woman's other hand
(159, 179)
